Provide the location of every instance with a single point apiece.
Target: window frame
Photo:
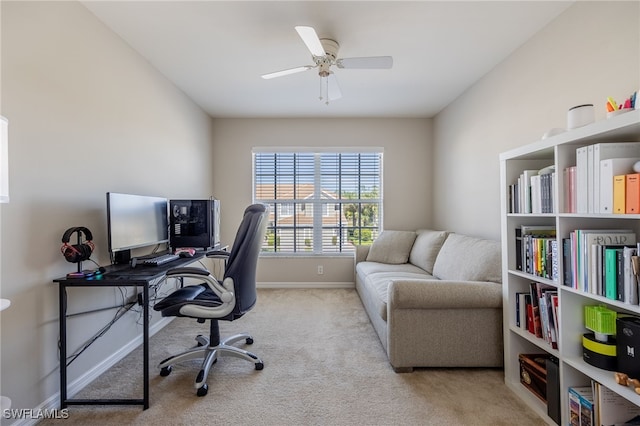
(320, 205)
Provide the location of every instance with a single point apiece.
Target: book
(632, 293)
(628, 290)
(608, 169)
(566, 261)
(547, 317)
(545, 194)
(619, 194)
(523, 234)
(519, 308)
(581, 406)
(525, 190)
(613, 279)
(555, 260)
(585, 238)
(581, 180)
(570, 189)
(536, 204)
(539, 313)
(611, 274)
(611, 408)
(522, 300)
(596, 269)
(530, 320)
(554, 306)
(535, 311)
(632, 200)
(605, 151)
(574, 409)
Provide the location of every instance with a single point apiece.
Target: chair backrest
(243, 259)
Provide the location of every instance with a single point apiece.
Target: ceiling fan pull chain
(320, 97)
(327, 101)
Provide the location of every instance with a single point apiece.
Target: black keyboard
(160, 260)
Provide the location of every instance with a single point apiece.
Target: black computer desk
(114, 276)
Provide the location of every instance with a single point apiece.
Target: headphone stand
(79, 238)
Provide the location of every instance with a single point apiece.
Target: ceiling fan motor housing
(331, 48)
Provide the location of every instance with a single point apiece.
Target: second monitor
(194, 223)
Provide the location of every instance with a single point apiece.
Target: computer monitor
(135, 221)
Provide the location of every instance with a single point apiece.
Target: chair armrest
(188, 270)
(439, 294)
(224, 291)
(361, 253)
(218, 254)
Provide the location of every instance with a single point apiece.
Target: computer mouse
(185, 252)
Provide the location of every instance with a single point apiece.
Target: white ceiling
(216, 51)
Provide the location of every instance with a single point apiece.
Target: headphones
(77, 252)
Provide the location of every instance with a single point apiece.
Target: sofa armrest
(440, 294)
(361, 253)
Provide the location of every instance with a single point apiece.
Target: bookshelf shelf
(559, 151)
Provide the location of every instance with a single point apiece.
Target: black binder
(553, 389)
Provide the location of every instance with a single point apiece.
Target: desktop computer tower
(194, 223)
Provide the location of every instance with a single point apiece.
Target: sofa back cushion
(426, 247)
(392, 247)
(464, 258)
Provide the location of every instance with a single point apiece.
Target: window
(320, 201)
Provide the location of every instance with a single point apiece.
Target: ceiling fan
(324, 53)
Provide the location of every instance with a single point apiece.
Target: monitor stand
(122, 257)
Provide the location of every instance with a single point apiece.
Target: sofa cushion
(392, 247)
(378, 285)
(464, 258)
(426, 247)
(366, 268)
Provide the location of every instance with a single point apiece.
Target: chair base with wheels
(209, 349)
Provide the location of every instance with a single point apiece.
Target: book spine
(581, 180)
(619, 194)
(610, 273)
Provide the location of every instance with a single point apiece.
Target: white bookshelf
(559, 150)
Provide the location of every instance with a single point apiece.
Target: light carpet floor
(324, 365)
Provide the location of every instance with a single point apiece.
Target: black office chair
(213, 300)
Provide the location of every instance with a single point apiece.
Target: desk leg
(145, 344)
(63, 344)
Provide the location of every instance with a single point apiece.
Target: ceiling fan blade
(311, 39)
(287, 72)
(333, 89)
(369, 62)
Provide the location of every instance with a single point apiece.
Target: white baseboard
(53, 402)
(319, 284)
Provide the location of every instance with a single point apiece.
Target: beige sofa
(434, 298)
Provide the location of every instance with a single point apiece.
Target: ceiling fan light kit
(324, 53)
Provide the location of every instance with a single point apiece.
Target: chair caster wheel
(165, 371)
(259, 365)
(249, 341)
(202, 391)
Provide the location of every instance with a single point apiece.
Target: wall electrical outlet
(320, 270)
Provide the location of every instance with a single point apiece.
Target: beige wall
(406, 187)
(87, 115)
(574, 60)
